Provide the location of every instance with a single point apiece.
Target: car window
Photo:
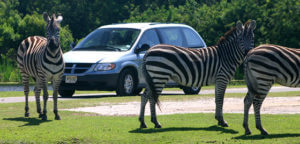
(172, 36)
(192, 39)
(149, 37)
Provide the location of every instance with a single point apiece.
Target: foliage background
(277, 20)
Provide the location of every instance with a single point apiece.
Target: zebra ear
(59, 19)
(252, 25)
(239, 27)
(46, 17)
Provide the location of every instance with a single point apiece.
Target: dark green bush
(277, 20)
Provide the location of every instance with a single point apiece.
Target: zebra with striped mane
(265, 65)
(195, 67)
(42, 59)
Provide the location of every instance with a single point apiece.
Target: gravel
(271, 105)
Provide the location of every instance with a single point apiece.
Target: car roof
(144, 26)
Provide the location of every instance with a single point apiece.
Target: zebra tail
(150, 84)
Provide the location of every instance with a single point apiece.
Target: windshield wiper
(85, 48)
(112, 48)
(101, 47)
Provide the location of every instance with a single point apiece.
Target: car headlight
(104, 66)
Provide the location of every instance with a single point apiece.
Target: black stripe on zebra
(196, 67)
(42, 59)
(265, 65)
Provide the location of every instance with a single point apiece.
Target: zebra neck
(230, 51)
(53, 54)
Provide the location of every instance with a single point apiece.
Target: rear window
(180, 36)
(172, 36)
(192, 38)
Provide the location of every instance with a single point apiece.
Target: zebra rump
(265, 65)
(272, 63)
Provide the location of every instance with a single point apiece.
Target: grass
(78, 127)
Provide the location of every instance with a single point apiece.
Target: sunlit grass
(78, 127)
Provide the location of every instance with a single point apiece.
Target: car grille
(77, 68)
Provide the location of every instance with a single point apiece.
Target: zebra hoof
(157, 126)
(263, 132)
(223, 124)
(44, 117)
(248, 132)
(57, 117)
(143, 126)
(27, 114)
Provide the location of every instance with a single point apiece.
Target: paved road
(18, 88)
(82, 96)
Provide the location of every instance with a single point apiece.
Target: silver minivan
(110, 57)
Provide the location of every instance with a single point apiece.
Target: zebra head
(52, 31)
(247, 42)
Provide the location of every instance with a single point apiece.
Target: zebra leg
(45, 99)
(247, 104)
(144, 100)
(153, 113)
(257, 102)
(25, 79)
(56, 84)
(37, 91)
(219, 100)
(156, 90)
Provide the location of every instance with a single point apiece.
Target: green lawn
(78, 127)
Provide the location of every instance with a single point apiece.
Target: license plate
(71, 79)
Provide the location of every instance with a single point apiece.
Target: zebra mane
(226, 36)
(247, 24)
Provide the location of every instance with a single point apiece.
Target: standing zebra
(265, 65)
(42, 59)
(196, 67)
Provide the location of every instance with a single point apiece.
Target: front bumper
(92, 82)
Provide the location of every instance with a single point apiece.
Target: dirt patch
(271, 105)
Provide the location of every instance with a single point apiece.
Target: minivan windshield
(109, 39)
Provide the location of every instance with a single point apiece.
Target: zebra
(195, 67)
(265, 65)
(42, 59)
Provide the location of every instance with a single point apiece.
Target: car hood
(91, 56)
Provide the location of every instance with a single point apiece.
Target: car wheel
(191, 90)
(127, 83)
(66, 93)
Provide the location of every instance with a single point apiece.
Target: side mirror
(144, 47)
(72, 45)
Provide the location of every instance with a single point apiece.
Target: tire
(191, 90)
(127, 83)
(66, 93)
